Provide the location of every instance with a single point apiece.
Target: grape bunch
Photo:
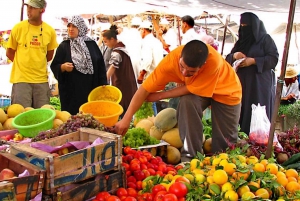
(73, 123)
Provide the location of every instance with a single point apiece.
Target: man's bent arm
(10, 53)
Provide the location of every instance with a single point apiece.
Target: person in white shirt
(187, 28)
(166, 35)
(152, 52)
(290, 90)
(3, 58)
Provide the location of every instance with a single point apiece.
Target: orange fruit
(264, 162)
(243, 189)
(272, 167)
(262, 193)
(292, 186)
(255, 184)
(282, 180)
(258, 167)
(291, 173)
(291, 179)
(240, 175)
(226, 187)
(280, 174)
(195, 163)
(231, 195)
(252, 160)
(230, 168)
(220, 177)
(248, 196)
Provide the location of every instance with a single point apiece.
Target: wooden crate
(26, 187)
(78, 165)
(109, 181)
(7, 191)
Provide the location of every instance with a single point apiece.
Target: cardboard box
(78, 165)
(26, 187)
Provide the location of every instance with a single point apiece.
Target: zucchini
(293, 166)
(294, 159)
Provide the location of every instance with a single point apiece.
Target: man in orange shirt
(205, 79)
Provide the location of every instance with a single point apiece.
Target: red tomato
(182, 179)
(131, 179)
(131, 185)
(129, 158)
(144, 167)
(157, 188)
(150, 165)
(170, 197)
(181, 199)
(160, 195)
(121, 192)
(151, 171)
(143, 159)
(139, 175)
(148, 155)
(179, 189)
(135, 166)
(129, 198)
(127, 150)
(145, 197)
(154, 161)
(139, 185)
(132, 192)
(179, 167)
(128, 173)
(159, 158)
(102, 195)
(112, 198)
(147, 173)
(162, 168)
(126, 166)
(160, 173)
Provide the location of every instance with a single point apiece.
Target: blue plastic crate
(4, 102)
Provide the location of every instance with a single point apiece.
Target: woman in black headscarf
(257, 70)
(78, 66)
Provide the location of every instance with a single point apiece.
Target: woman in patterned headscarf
(257, 71)
(78, 66)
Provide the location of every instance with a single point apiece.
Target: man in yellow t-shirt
(30, 46)
(205, 79)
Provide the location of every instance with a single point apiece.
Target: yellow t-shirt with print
(31, 44)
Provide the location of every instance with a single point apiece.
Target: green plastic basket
(31, 122)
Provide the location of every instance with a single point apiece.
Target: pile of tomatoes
(143, 173)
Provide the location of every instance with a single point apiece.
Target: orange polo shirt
(215, 79)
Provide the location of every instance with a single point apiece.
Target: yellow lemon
(195, 163)
(226, 187)
(231, 195)
(220, 177)
(200, 178)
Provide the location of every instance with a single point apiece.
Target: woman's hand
(247, 62)
(67, 67)
(238, 55)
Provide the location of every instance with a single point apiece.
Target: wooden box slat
(7, 191)
(26, 187)
(77, 165)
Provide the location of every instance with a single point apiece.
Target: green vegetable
(294, 159)
(294, 166)
(55, 102)
(144, 111)
(136, 137)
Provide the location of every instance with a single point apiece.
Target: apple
(63, 151)
(6, 174)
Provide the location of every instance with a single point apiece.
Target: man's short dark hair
(194, 53)
(189, 20)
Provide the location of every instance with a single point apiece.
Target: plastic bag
(260, 127)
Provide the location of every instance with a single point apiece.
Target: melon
(173, 155)
(28, 108)
(8, 124)
(145, 124)
(62, 115)
(151, 119)
(48, 106)
(156, 133)
(57, 123)
(14, 109)
(1, 127)
(173, 138)
(3, 116)
(166, 119)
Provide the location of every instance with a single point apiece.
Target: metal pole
(281, 78)
(22, 11)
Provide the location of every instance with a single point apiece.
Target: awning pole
(22, 11)
(281, 78)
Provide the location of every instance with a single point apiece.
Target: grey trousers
(225, 119)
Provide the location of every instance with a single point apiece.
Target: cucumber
(294, 159)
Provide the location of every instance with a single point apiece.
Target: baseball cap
(36, 3)
(290, 72)
(146, 25)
